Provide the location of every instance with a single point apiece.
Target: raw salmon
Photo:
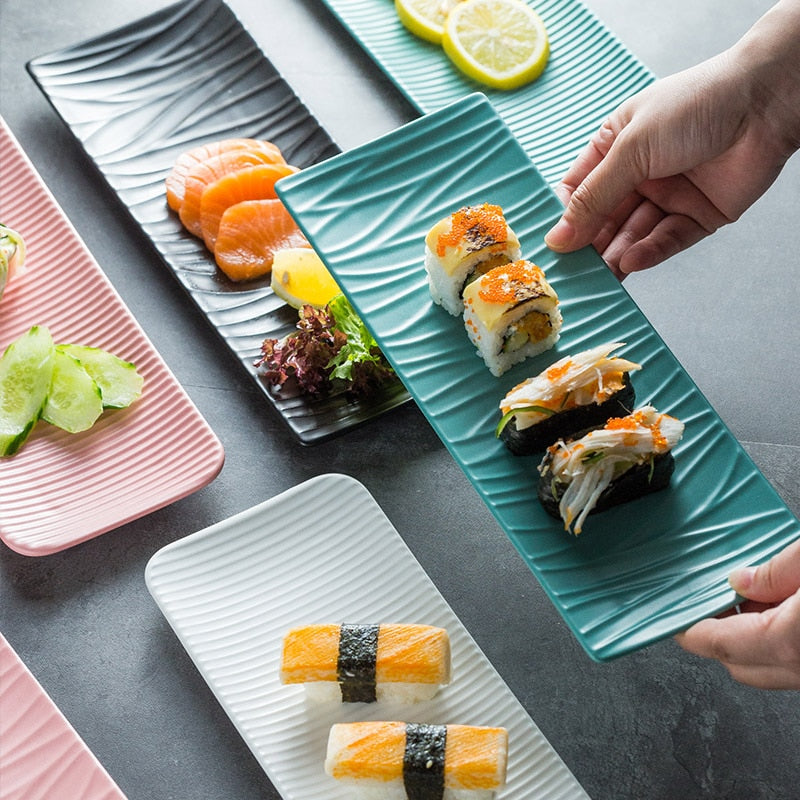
(250, 233)
(250, 183)
(206, 172)
(176, 180)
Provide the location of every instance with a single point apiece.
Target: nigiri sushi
(511, 313)
(628, 457)
(397, 760)
(366, 663)
(463, 246)
(573, 394)
(12, 255)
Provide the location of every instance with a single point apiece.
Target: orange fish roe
(557, 372)
(510, 283)
(636, 420)
(481, 226)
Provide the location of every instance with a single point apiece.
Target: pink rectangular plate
(61, 489)
(42, 755)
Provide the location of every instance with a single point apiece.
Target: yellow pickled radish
(300, 278)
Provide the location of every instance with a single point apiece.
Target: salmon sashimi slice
(475, 757)
(250, 233)
(205, 173)
(249, 183)
(176, 180)
(405, 653)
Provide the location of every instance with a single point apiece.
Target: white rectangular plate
(324, 551)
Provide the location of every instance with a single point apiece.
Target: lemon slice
(300, 278)
(424, 18)
(501, 43)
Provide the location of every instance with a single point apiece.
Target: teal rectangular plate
(589, 73)
(639, 572)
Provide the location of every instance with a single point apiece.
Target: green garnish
(506, 418)
(359, 348)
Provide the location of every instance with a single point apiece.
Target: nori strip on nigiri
(358, 652)
(423, 761)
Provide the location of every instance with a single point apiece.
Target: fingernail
(560, 235)
(741, 579)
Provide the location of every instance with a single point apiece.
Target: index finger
(605, 173)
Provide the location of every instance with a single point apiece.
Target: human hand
(689, 153)
(760, 646)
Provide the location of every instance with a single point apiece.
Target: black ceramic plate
(140, 95)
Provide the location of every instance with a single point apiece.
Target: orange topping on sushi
(556, 372)
(636, 420)
(481, 226)
(508, 283)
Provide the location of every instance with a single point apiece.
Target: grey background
(656, 724)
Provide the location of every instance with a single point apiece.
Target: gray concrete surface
(656, 725)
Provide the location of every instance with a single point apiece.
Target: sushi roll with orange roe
(354, 663)
(511, 313)
(573, 394)
(464, 245)
(628, 457)
(399, 760)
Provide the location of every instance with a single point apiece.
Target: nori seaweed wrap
(563, 424)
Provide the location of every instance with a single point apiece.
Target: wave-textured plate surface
(42, 756)
(589, 73)
(60, 488)
(324, 551)
(638, 572)
(139, 96)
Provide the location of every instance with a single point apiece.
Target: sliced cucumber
(26, 369)
(75, 401)
(120, 384)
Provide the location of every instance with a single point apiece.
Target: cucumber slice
(120, 384)
(26, 369)
(75, 401)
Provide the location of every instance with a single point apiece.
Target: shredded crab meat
(572, 381)
(588, 465)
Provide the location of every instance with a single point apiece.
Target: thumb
(772, 581)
